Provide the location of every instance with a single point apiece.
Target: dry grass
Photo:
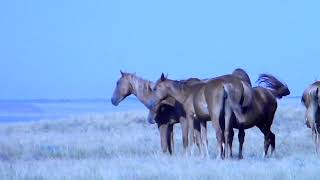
(124, 146)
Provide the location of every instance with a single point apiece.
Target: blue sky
(75, 49)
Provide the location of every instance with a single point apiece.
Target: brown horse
(229, 96)
(169, 113)
(311, 100)
(206, 100)
(261, 111)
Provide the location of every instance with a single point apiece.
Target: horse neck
(139, 88)
(178, 91)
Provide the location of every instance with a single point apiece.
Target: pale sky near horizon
(75, 49)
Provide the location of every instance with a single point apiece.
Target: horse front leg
(170, 139)
(184, 128)
(191, 138)
(163, 129)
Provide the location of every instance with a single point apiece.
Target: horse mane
(185, 82)
(278, 88)
(138, 82)
(190, 81)
(242, 74)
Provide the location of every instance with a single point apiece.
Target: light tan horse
(169, 113)
(311, 100)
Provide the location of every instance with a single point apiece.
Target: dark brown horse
(169, 113)
(311, 100)
(261, 110)
(226, 96)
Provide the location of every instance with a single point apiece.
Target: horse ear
(122, 73)
(163, 78)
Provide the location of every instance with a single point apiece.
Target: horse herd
(228, 101)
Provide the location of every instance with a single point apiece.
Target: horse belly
(201, 107)
(245, 125)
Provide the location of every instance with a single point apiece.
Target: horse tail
(237, 107)
(242, 74)
(277, 88)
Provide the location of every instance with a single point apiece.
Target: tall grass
(124, 146)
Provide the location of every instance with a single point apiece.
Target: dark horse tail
(277, 88)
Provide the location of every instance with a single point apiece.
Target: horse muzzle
(114, 102)
(151, 117)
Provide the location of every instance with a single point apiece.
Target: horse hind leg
(228, 132)
(241, 136)
(215, 99)
(231, 139)
(272, 139)
(267, 141)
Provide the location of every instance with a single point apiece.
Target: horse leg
(184, 127)
(267, 141)
(163, 128)
(170, 138)
(204, 138)
(272, 139)
(191, 138)
(241, 136)
(197, 134)
(219, 136)
(215, 103)
(215, 118)
(227, 131)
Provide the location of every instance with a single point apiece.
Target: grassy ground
(124, 146)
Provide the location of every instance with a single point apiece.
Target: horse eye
(155, 88)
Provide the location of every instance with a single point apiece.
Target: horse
(205, 100)
(170, 111)
(311, 100)
(235, 100)
(261, 111)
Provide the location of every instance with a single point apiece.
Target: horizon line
(77, 99)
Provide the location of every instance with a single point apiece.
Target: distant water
(33, 110)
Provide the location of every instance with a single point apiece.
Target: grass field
(124, 146)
